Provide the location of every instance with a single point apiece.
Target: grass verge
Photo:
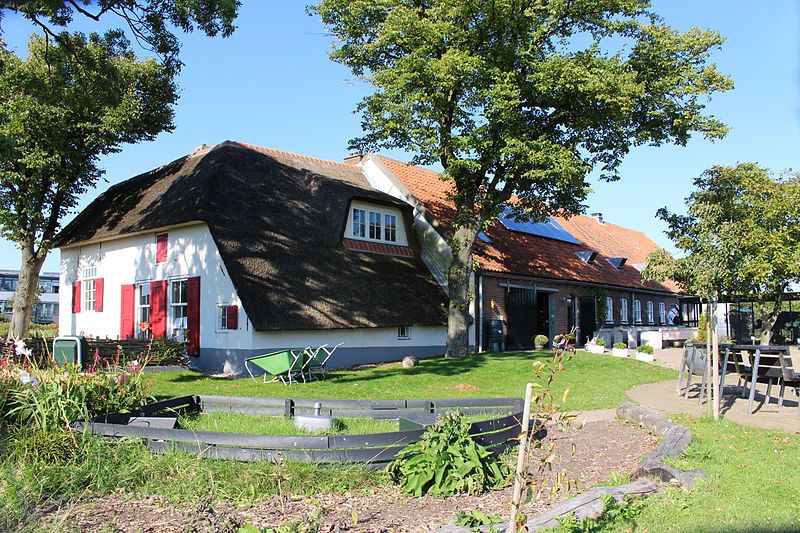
(595, 381)
(272, 425)
(101, 466)
(753, 482)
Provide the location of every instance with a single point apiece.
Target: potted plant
(620, 349)
(540, 341)
(644, 353)
(596, 345)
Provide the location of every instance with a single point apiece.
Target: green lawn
(753, 483)
(273, 425)
(595, 381)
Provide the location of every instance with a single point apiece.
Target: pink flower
(135, 366)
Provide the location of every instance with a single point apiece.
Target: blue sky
(271, 84)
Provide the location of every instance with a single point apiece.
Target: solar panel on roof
(549, 229)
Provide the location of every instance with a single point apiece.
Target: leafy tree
(740, 236)
(520, 100)
(148, 20)
(62, 108)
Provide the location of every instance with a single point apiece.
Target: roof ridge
(267, 150)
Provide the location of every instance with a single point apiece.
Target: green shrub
(600, 341)
(447, 461)
(475, 519)
(645, 348)
(702, 323)
(540, 340)
(620, 345)
(63, 395)
(614, 514)
(165, 351)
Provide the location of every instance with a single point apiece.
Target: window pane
(359, 223)
(374, 225)
(390, 230)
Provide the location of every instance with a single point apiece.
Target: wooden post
(521, 456)
(715, 361)
(708, 371)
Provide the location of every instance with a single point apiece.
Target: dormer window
(373, 223)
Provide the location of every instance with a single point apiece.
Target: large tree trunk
(25, 297)
(459, 290)
(769, 316)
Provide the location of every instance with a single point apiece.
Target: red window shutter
(158, 308)
(76, 297)
(126, 311)
(98, 295)
(193, 315)
(233, 317)
(161, 247)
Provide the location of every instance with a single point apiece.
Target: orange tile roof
(513, 252)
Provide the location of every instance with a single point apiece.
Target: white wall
(352, 338)
(191, 252)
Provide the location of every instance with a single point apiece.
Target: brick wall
(494, 300)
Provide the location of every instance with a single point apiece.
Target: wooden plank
(499, 437)
(381, 455)
(243, 409)
(182, 403)
(210, 437)
(495, 424)
(395, 438)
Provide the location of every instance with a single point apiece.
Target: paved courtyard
(663, 397)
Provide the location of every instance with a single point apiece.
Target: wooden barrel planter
(376, 449)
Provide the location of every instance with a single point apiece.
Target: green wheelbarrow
(283, 365)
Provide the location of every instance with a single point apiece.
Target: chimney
(598, 217)
(354, 159)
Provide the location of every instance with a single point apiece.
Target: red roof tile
(513, 252)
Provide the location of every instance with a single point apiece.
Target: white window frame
(222, 320)
(637, 311)
(651, 314)
(139, 307)
(390, 227)
(178, 333)
(623, 311)
(404, 333)
(662, 313)
(609, 310)
(88, 288)
(359, 226)
(375, 225)
(379, 224)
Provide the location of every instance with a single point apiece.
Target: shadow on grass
(438, 366)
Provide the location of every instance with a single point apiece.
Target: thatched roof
(278, 221)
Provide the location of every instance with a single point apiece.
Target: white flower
(27, 379)
(21, 349)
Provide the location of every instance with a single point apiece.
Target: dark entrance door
(543, 314)
(521, 309)
(588, 319)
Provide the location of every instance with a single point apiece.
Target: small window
(161, 247)
(390, 228)
(637, 312)
(359, 223)
(228, 318)
(88, 288)
(662, 313)
(374, 225)
(143, 311)
(650, 313)
(404, 333)
(623, 311)
(609, 310)
(179, 304)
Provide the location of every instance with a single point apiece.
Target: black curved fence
(376, 449)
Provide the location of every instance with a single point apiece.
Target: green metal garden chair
(282, 365)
